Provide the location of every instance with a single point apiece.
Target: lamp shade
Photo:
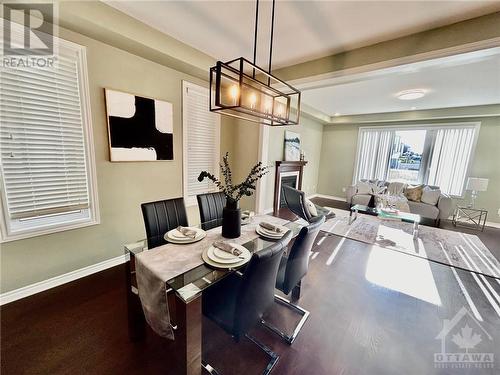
(477, 184)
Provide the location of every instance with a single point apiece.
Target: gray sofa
(441, 210)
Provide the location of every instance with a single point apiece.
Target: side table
(470, 217)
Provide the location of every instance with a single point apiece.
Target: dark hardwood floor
(373, 311)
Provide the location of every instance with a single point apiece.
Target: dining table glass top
(191, 283)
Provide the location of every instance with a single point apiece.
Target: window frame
(191, 201)
(428, 148)
(48, 224)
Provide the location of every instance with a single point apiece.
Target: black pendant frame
(245, 75)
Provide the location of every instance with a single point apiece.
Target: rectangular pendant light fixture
(241, 89)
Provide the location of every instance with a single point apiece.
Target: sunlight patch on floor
(402, 273)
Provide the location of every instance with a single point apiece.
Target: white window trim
(92, 216)
(402, 126)
(191, 201)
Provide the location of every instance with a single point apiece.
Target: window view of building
(405, 164)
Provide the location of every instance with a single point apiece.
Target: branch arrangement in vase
(235, 192)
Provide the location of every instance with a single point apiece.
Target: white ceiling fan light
(411, 94)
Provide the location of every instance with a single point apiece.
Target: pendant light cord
(255, 35)
(272, 34)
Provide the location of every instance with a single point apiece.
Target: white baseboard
(492, 224)
(41, 286)
(328, 197)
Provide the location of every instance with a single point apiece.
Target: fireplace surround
(287, 173)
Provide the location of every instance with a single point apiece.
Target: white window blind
(374, 148)
(450, 159)
(46, 160)
(42, 142)
(201, 141)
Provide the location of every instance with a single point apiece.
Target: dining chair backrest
(298, 256)
(162, 216)
(256, 293)
(295, 200)
(211, 206)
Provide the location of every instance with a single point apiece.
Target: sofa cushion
(414, 193)
(430, 195)
(364, 187)
(424, 209)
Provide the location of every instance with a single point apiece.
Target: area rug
(457, 249)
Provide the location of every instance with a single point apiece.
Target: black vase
(231, 220)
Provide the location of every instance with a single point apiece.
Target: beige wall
(311, 132)
(122, 187)
(339, 153)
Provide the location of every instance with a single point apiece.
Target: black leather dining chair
(211, 206)
(295, 200)
(293, 267)
(162, 216)
(238, 302)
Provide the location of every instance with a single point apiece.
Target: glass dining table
(184, 299)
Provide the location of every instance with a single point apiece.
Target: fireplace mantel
(283, 166)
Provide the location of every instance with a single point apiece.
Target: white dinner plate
(270, 234)
(218, 264)
(174, 236)
(220, 256)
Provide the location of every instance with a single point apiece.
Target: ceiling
(458, 81)
(304, 30)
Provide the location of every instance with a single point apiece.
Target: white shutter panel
(41, 139)
(450, 159)
(201, 140)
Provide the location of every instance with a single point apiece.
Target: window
(406, 156)
(46, 165)
(436, 155)
(201, 140)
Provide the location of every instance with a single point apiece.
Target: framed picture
(139, 128)
(292, 146)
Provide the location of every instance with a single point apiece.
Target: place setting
(185, 235)
(270, 231)
(224, 254)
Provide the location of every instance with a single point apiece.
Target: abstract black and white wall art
(140, 129)
(292, 146)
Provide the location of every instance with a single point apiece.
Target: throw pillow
(364, 187)
(414, 193)
(396, 188)
(430, 196)
(311, 208)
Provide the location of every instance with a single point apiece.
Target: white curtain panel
(373, 154)
(450, 158)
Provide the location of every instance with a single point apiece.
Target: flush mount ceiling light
(410, 94)
(241, 89)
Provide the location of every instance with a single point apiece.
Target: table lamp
(476, 184)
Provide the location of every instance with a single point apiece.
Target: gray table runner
(156, 266)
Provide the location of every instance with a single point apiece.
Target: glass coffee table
(373, 211)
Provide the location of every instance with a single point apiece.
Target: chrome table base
(289, 339)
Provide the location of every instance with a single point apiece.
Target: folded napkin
(271, 227)
(228, 248)
(187, 232)
(247, 214)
